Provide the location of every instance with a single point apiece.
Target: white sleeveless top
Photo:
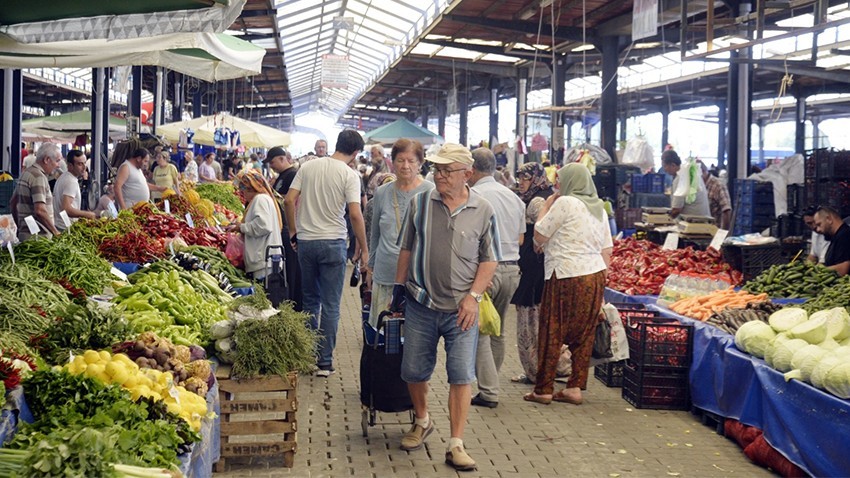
(135, 189)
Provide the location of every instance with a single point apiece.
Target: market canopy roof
(208, 56)
(49, 21)
(78, 121)
(402, 128)
(252, 135)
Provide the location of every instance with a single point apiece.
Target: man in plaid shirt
(32, 195)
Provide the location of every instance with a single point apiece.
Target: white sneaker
(325, 373)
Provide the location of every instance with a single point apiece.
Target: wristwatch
(476, 296)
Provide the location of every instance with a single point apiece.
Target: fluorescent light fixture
(582, 48)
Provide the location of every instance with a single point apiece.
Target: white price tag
(113, 212)
(717, 240)
(189, 220)
(618, 236)
(11, 251)
(117, 273)
(32, 225)
(171, 247)
(671, 242)
(167, 205)
(66, 220)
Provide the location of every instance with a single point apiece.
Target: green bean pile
(56, 260)
(30, 288)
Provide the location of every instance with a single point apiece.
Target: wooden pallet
(247, 417)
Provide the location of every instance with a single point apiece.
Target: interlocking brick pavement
(604, 437)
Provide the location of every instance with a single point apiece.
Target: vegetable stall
(774, 353)
(107, 374)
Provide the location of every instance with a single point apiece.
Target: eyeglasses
(444, 172)
(524, 177)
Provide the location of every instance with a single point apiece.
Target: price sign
(167, 205)
(11, 252)
(111, 210)
(717, 240)
(189, 220)
(32, 225)
(117, 273)
(671, 242)
(66, 220)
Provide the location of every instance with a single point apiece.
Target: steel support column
(159, 100)
(197, 101)
(665, 126)
(559, 78)
(493, 138)
(721, 134)
(745, 110)
(732, 132)
(424, 116)
(608, 103)
(761, 126)
(815, 133)
(100, 130)
(12, 86)
(134, 108)
(521, 105)
(441, 119)
(177, 101)
(463, 111)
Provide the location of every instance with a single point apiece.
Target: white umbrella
(252, 135)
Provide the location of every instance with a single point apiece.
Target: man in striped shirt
(449, 252)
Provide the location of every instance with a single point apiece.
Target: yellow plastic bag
(489, 322)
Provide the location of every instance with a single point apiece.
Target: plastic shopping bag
(619, 342)
(235, 250)
(489, 322)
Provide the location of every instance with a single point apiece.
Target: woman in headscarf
(572, 230)
(261, 224)
(534, 188)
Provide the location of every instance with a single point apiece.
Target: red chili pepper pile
(641, 267)
(9, 374)
(205, 236)
(135, 247)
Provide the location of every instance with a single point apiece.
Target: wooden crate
(247, 431)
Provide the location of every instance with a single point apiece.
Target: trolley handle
(381, 324)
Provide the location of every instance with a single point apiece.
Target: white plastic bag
(619, 342)
(639, 153)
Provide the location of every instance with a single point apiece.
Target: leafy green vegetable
(278, 345)
(224, 194)
(78, 328)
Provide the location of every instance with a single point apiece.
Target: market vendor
(66, 192)
(718, 198)
(829, 223)
(819, 245)
(131, 187)
(689, 196)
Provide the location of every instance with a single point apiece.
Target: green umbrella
(402, 128)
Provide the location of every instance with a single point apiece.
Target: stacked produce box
(828, 179)
(753, 207)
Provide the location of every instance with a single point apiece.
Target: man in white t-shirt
(322, 190)
(66, 192)
(819, 246)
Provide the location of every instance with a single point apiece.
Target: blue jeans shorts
(423, 328)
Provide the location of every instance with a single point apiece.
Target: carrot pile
(702, 307)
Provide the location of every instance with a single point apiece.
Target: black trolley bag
(381, 386)
(275, 280)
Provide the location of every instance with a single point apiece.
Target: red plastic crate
(659, 342)
(660, 389)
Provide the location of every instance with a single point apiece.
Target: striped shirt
(446, 247)
(33, 188)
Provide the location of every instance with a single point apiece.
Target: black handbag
(602, 341)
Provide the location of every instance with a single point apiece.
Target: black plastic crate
(752, 260)
(652, 389)
(626, 218)
(796, 196)
(611, 373)
(638, 200)
(659, 342)
(833, 164)
(7, 188)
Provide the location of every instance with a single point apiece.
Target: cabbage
(804, 353)
(771, 347)
(784, 352)
(838, 323)
(837, 380)
(845, 342)
(808, 364)
(841, 352)
(752, 337)
(829, 344)
(787, 319)
(812, 331)
(818, 377)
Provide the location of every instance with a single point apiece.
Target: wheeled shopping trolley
(381, 386)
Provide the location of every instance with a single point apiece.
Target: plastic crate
(638, 200)
(651, 389)
(626, 218)
(749, 187)
(611, 373)
(659, 342)
(7, 188)
(752, 260)
(796, 196)
(651, 183)
(758, 199)
(833, 164)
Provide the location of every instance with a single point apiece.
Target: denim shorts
(423, 328)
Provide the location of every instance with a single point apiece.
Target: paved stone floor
(604, 437)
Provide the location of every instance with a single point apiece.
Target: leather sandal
(541, 399)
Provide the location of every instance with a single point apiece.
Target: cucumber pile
(799, 279)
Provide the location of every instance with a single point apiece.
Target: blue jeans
(423, 328)
(322, 278)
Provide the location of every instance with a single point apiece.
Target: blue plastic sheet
(808, 426)
(244, 290)
(616, 296)
(14, 412)
(198, 463)
(126, 267)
